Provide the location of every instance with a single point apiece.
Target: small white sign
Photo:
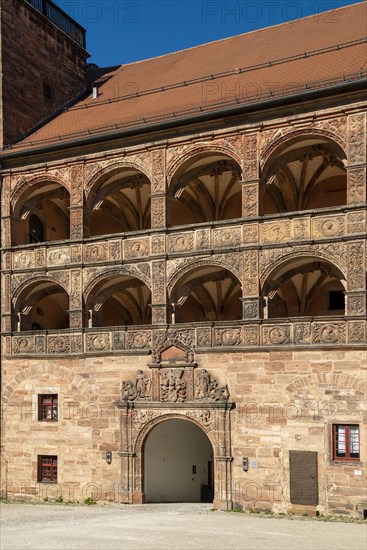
(357, 472)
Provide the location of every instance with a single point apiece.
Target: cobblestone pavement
(166, 526)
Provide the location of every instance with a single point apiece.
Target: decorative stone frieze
(357, 138)
(158, 211)
(251, 158)
(136, 248)
(356, 265)
(158, 171)
(329, 226)
(227, 237)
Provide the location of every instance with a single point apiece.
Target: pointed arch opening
(42, 305)
(119, 300)
(304, 287)
(119, 202)
(205, 188)
(41, 214)
(207, 293)
(307, 172)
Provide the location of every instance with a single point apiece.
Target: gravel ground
(166, 526)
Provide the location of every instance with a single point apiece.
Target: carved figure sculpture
(207, 388)
(142, 385)
(128, 391)
(173, 388)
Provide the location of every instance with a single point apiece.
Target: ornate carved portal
(173, 388)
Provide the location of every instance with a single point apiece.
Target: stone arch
(214, 262)
(151, 424)
(292, 254)
(303, 287)
(340, 380)
(36, 279)
(198, 149)
(39, 369)
(94, 178)
(272, 147)
(299, 168)
(25, 184)
(129, 271)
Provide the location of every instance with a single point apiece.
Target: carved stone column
(251, 178)
(158, 196)
(6, 219)
(159, 298)
(356, 169)
(76, 222)
(356, 294)
(76, 202)
(76, 299)
(250, 285)
(126, 454)
(158, 211)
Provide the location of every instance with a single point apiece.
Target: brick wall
(35, 53)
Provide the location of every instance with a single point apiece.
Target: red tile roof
(296, 56)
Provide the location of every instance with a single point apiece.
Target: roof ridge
(292, 22)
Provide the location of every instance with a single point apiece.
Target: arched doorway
(178, 463)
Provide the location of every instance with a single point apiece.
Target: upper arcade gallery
(304, 173)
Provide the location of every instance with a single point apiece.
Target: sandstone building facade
(184, 273)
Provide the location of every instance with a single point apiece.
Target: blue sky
(122, 31)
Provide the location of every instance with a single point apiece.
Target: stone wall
(283, 400)
(35, 54)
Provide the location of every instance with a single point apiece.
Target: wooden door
(303, 477)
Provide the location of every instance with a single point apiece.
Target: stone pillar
(356, 168)
(76, 176)
(76, 299)
(356, 290)
(159, 295)
(125, 453)
(251, 178)
(158, 195)
(76, 222)
(250, 285)
(223, 462)
(6, 229)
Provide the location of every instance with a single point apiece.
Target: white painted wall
(171, 450)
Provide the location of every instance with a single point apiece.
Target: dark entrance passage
(178, 458)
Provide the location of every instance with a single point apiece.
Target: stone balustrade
(305, 332)
(226, 236)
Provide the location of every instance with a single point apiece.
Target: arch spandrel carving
(272, 259)
(178, 156)
(177, 268)
(62, 281)
(96, 172)
(97, 276)
(283, 136)
(26, 183)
